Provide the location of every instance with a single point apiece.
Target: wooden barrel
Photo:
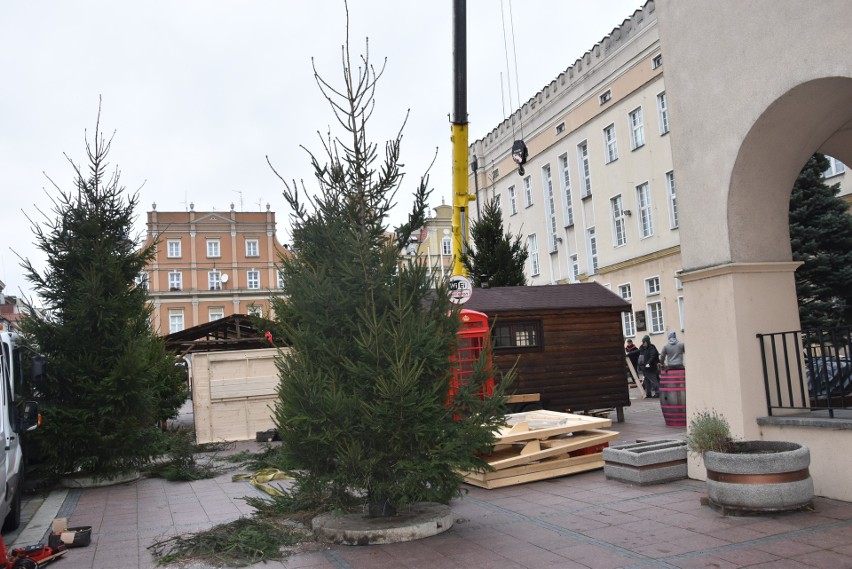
(673, 397)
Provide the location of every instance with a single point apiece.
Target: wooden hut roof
(549, 297)
(234, 332)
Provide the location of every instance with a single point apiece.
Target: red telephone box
(473, 336)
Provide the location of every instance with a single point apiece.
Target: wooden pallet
(548, 468)
(544, 444)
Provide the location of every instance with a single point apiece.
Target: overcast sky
(198, 93)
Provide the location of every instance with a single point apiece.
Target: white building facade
(598, 197)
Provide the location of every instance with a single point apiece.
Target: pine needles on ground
(181, 461)
(240, 543)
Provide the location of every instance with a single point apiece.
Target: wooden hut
(233, 377)
(566, 340)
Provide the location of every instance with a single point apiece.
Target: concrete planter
(89, 481)
(646, 462)
(759, 476)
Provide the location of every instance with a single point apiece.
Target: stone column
(727, 306)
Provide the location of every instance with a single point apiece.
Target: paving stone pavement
(577, 521)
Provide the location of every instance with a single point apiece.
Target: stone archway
(806, 119)
(754, 89)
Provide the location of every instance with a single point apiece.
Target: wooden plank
(636, 378)
(548, 464)
(507, 458)
(546, 424)
(523, 398)
(542, 475)
(242, 387)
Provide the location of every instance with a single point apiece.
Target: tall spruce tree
(109, 380)
(363, 408)
(498, 258)
(821, 237)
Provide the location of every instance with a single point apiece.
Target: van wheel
(13, 518)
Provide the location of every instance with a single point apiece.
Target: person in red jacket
(631, 350)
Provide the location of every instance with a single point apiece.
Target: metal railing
(808, 369)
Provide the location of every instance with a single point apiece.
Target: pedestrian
(650, 358)
(631, 350)
(671, 356)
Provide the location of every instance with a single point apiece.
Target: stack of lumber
(544, 444)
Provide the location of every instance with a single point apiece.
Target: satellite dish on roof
(224, 278)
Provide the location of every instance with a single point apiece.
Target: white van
(18, 417)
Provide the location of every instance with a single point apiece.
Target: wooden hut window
(523, 335)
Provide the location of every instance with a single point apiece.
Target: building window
(173, 251)
(585, 171)
(528, 197)
(611, 146)
(141, 280)
(213, 248)
(574, 267)
(215, 313)
(655, 314)
(175, 280)
(253, 279)
(550, 206)
(252, 248)
(532, 247)
(523, 335)
(592, 250)
(628, 324)
(652, 286)
(619, 230)
(566, 190)
(513, 201)
(255, 310)
(657, 61)
(495, 173)
(214, 280)
(605, 97)
(835, 167)
(672, 191)
(646, 221)
(175, 320)
(560, 128)
(625, 292)
(637, 129)
(681, 313)
(446, 246)
(663, 112)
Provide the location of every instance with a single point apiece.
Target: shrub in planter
(749, 477)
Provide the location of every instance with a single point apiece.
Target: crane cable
(519, 150)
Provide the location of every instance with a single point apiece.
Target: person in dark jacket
(650, 358)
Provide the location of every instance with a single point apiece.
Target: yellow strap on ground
(261, 479)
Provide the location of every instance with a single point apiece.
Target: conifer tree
(498, 258)
(363, 407)
(821, 237)
(109, 380)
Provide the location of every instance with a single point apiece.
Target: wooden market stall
(567, 342)
(233, 377)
